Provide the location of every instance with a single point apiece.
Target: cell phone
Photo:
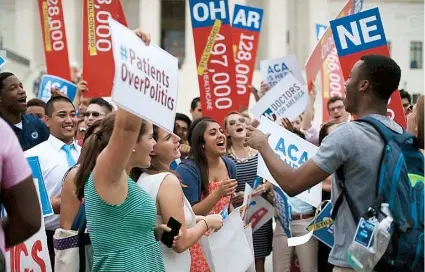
(168, 237)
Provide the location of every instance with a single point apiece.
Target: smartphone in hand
(168, 237)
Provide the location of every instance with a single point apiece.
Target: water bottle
(383, 233)
(360, 255)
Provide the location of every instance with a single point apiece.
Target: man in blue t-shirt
(13, 104)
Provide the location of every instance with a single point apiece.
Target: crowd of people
(129, 177)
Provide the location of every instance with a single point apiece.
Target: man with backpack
(354, 152)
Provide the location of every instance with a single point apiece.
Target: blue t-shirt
(33, 131)
(190, 175)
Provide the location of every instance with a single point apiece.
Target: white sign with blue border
(63, 85)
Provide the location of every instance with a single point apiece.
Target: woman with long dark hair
(208, 176)
(165, 188)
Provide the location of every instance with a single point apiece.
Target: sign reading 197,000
(214, 57)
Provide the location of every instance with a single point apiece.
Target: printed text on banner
(363, 34)
(324, 59)
(97, 45)
(54, 38)
(214, 57)
(246, 27)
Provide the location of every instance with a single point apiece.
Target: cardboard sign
(259, 210)
(363, 34)
(54, 38)
(97, 45)
(46, 205)
(324, 59)
(283, 210)
(320, 31)
(212, 35)
(64, 86)
(286, 99)
(324, 226)
(146, 77)
(31, 255)
(275, 70)
(292, 149)
(246, 27)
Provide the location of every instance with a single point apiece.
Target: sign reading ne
(358, 32)
(146, 77)
(363, 34)
(288, 98)
(292, 149)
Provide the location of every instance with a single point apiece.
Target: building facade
(288, 28)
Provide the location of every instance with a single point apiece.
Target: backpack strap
(341, 181)
(387, 134)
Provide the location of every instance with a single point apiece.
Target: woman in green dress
(120, 215)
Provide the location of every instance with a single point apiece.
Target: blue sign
(205, 12)
(358, 32)
(2, 61)
(49, 81)
(248, 18)
(324, 226)
(283, 210)
(320, 30)
(46, 206)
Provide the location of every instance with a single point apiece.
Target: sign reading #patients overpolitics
(146, 77)
(292, 149)
(363, 34)
(287, 99)
(49, 81)
(275, 70)
(323, 226)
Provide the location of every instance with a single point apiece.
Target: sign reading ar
(358, 32)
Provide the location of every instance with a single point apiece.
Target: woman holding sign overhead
(246, 160)
(120, 215)
(208, 176)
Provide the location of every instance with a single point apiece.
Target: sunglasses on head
(94, 113)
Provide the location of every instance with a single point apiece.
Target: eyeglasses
(95, 114)
(233, 122)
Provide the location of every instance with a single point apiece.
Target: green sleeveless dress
(122, 235)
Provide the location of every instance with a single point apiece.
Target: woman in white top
(165, 188)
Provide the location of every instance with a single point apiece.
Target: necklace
(251, 153)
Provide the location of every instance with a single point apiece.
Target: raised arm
(309, 111)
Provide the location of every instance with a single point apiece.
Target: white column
(24, 13)
(275, 27)
(131, 11)
(72, 12)
(150, 18)
(189, 44)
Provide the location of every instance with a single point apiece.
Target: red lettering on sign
(257, 216)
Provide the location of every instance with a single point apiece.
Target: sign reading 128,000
(214, 57)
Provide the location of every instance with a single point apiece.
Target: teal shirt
(122, 235)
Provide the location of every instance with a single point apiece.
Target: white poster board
(292, 149)
(146, 77)
(275, 70)
(288, 98)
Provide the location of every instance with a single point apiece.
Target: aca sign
(363, 34)
(64, 86)
(294, 151)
